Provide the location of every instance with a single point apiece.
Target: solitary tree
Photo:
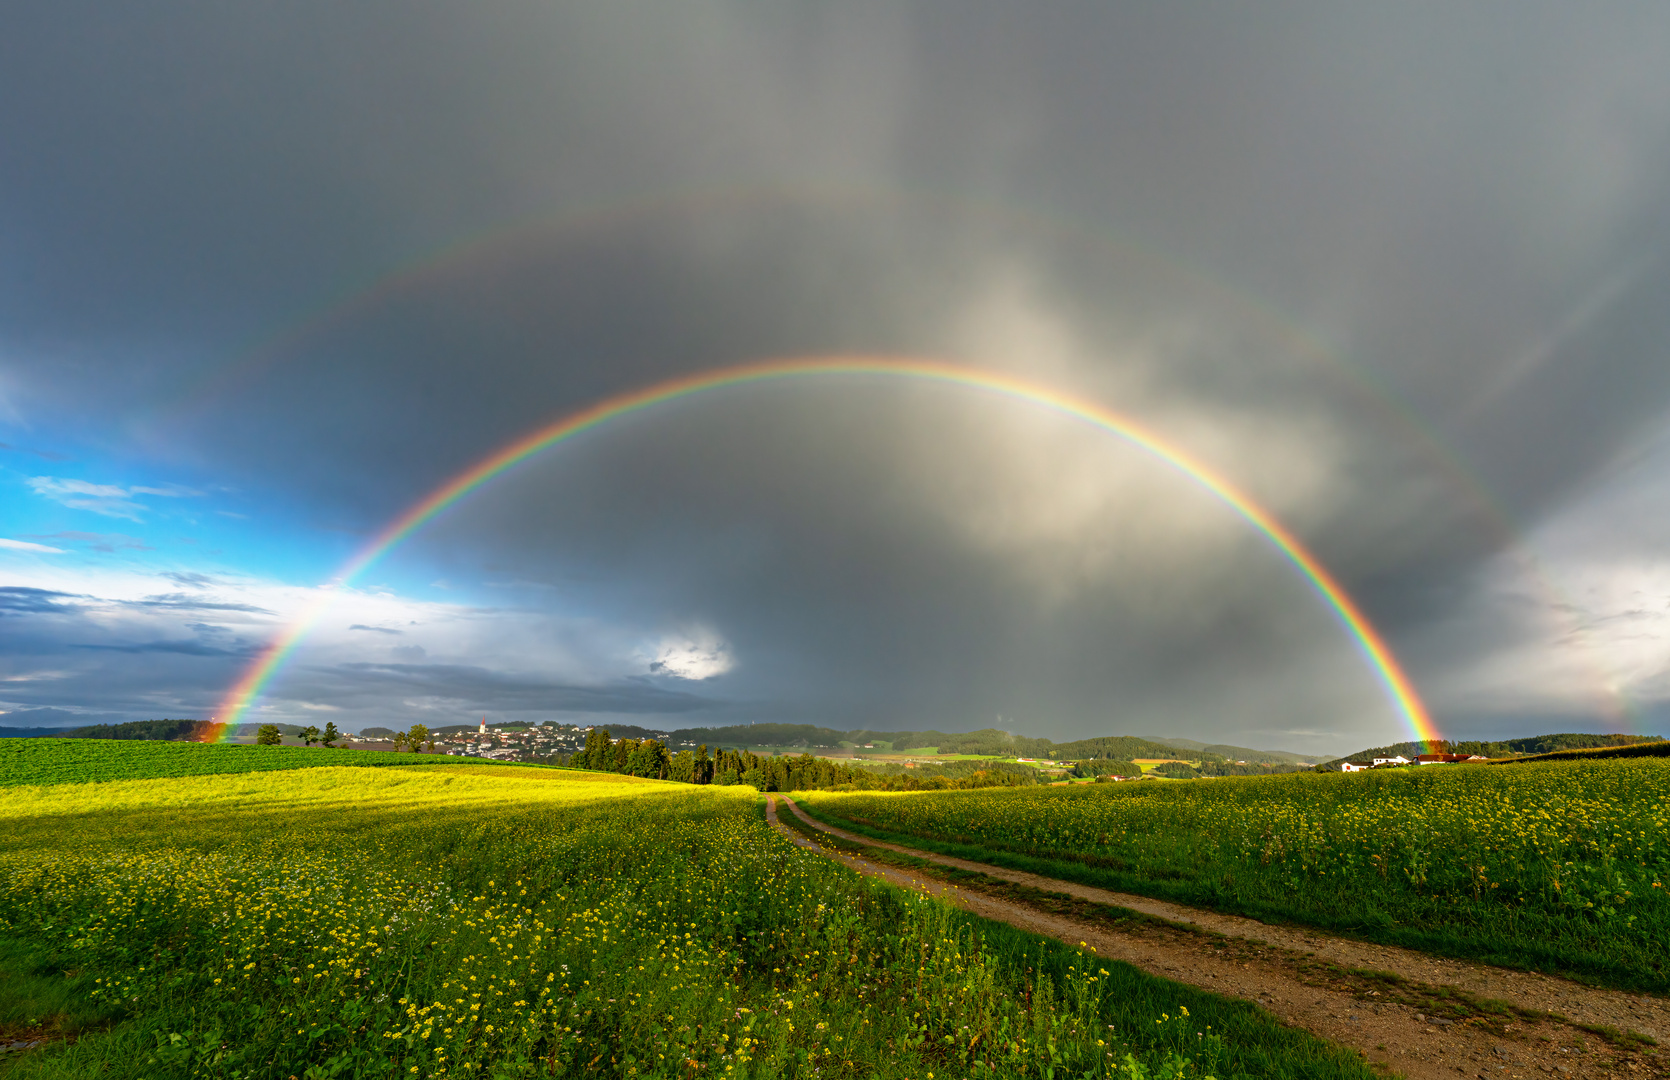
(420, 735)
(268, 735)
(401, 740)
(330, 734)
(310, 734)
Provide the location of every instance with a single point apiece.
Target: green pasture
(74, 761)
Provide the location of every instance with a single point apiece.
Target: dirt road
(1302, 976)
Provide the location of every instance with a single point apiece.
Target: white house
(1354, 766)
(1399, 760)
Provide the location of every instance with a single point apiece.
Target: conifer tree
(596, 755)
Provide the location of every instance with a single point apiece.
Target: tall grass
(1558, 866)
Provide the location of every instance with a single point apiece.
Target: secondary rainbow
(1397, 684)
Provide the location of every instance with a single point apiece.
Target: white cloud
(24, 545)
(35, 676)
(1586, 605)
(106, 499)
(176, 654)
(110, 500)
(1577, 637)
(696, 655)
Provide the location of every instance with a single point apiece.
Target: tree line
(418, 739)
(273, 734)
(150, 730)
(1091, 767)
(650, 758)
(1535, 744)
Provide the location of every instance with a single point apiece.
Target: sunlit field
(495, 921)
(1558, 866)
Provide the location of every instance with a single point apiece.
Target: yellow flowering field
(496, 921)
(1559, 866)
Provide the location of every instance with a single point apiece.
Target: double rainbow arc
(1373, 647)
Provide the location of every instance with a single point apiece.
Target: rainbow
(1401, 691)
(463, 253)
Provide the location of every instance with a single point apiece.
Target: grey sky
(270, 273)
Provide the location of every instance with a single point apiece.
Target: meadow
(71, 761)
(1558, 866)
(457, 920)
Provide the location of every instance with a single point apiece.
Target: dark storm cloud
(191, 580)
(186, 602)
(22, 600)
(496, 690)
(129, 660)
(182, 648)
(57, 718)
(1397, 271)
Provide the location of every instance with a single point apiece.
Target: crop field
(494, 921)
(71, 761)
(1553, 866)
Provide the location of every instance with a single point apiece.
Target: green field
(474, 920)
(1558, 866)
(74, 761)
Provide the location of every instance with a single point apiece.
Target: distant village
(534, 744)
(1398, 761)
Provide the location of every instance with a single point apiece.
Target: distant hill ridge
(1234, 753)
(986, 741)
(990, 741)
